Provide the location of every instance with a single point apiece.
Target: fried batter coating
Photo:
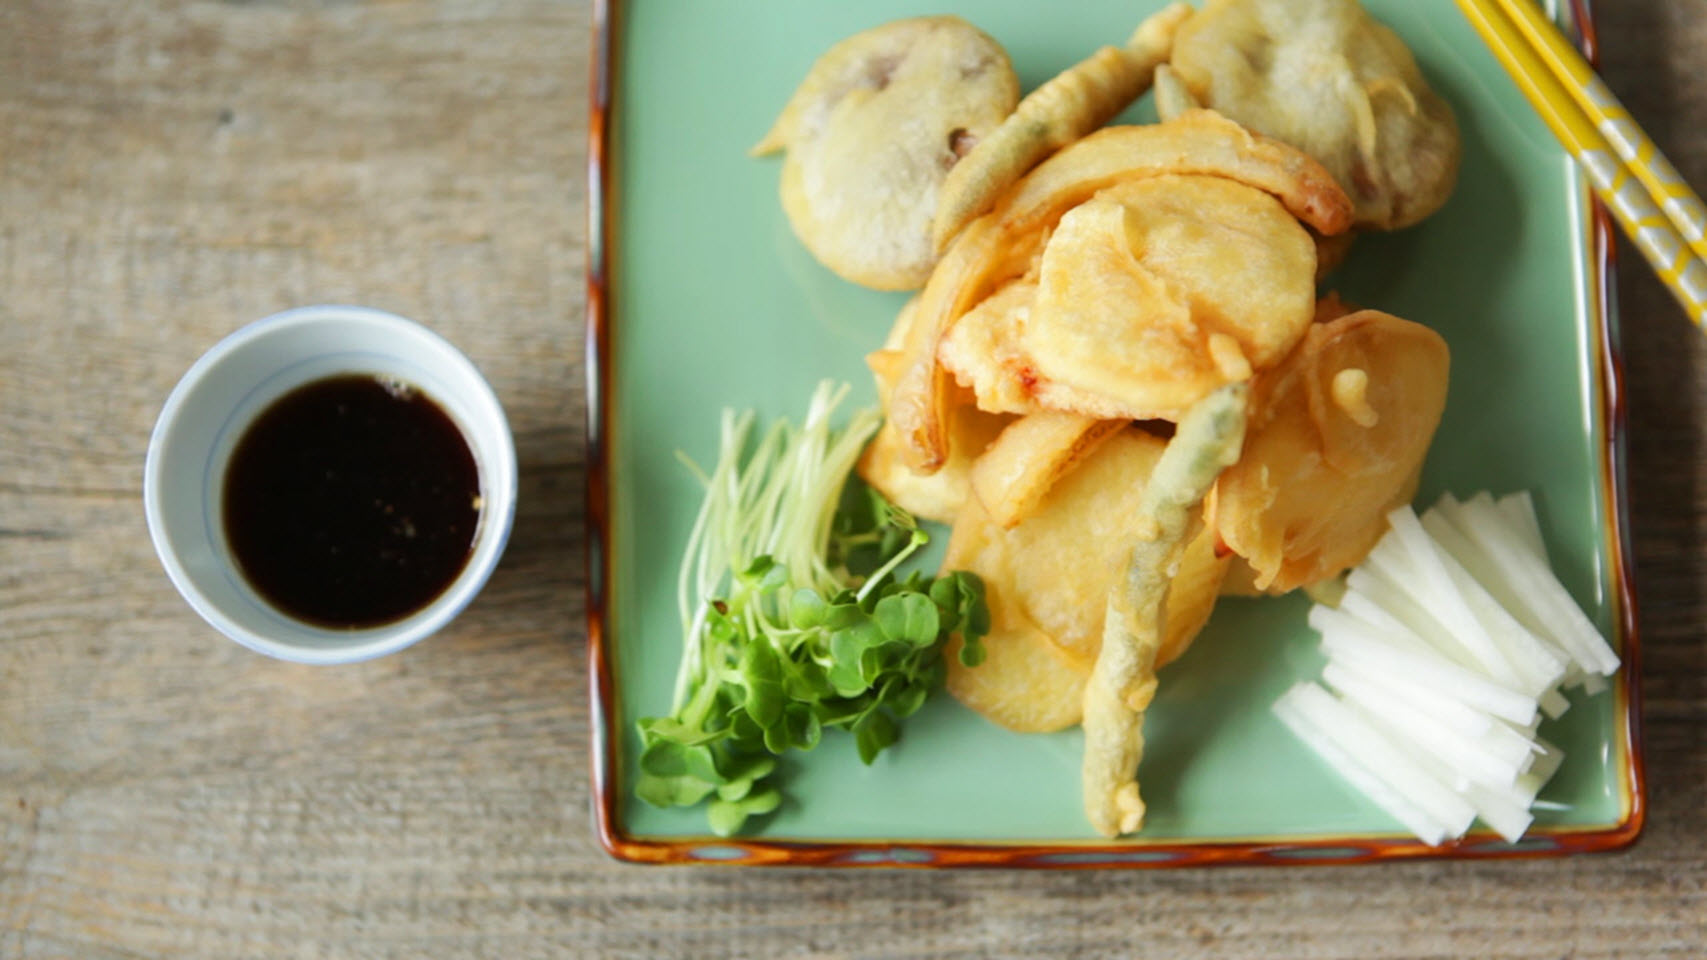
(1002, 244)
(1068, 106)
(941, 495)
(1048, 579)
(1337, 438)
(1158, 291)
(872, 133)
(1329, 79)
(1123, 681)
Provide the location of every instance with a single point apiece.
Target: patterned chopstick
(1656, 208)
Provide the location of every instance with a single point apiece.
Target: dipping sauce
(352, 502)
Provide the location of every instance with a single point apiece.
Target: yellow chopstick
(1657, 210)
(1615, 124)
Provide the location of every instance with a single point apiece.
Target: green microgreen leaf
(669, 728)
(727, 816)
(786, 633)
(762, 676)
(806, 609)
(908, 699)
(682, 791)
(804, 729)
(908, 617)
(874, 733)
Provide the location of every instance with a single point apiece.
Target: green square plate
(701, 298)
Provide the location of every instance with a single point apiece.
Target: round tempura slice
(1002, 244)
(1326, 77)
(1048, 581)
(1065, 557)
(1337, 437)
(1025, 683)
(1157, 291)
(873, 131)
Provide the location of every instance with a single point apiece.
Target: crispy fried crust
(871, 134)
(1002, 244)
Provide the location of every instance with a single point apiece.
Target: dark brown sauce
(352, 502)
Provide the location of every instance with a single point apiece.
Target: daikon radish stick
(1451, 713)
(1328, 618)
(1554, 704)
(1541, 770)
(1532, 652)
(1533, 664)
(1382, 588)
(1426, 828)
(1449, 678)
(1434, 587)
(1463, 760)
(1519, 511)
(1538, 588)
(1375, 753)
(1502, 810)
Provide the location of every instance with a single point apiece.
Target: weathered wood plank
(171, 169)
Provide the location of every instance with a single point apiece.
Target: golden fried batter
(1338, 434)
(873, 131)
(1327, 78)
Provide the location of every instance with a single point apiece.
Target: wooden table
(172, 168)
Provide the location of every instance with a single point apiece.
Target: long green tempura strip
(1123, 681)
(1072, 104)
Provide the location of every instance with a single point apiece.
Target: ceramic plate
(701, 298)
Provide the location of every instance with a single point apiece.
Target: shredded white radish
(1444, 710)
(1519, 510)
(1536, 588)
(1450, 642)
(1366, 783)
(1529, 653)
(1435, 589)
(1466, 759)
(1381, 759)
(1347, 639)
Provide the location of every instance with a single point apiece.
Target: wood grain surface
(170, 169)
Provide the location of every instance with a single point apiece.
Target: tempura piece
(941, 495)
(1048, 579)
(1337, 438)
(1329, 79)
(1150, 295)
(1002, 244)
(982, 350)
(1068, 555)
(1025, 683)
(1123, 681)
(1158, 291)
(1172, 97)
(1072, 104)
(872, 133)
(1014, 473)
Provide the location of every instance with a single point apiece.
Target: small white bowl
(183, 489)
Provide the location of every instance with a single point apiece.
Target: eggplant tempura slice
(1326, 77)
(873, 131)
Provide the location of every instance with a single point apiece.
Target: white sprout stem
(779, 501)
